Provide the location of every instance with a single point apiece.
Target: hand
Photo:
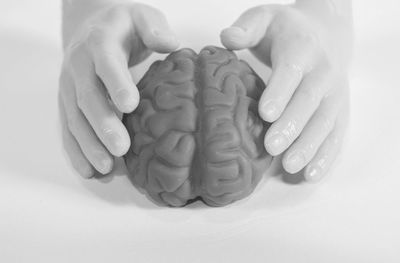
(307, 96)
(95, 67)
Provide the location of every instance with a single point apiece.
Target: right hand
(96, 65)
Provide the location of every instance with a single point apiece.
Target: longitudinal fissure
(198, 158)
(197, 119)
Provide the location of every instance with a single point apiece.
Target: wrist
(333, 19)
(334, 16)
(335, 13)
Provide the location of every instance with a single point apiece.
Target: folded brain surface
(196, 133)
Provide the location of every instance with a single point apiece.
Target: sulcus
(196, 133)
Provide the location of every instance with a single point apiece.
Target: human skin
(101, 40)
(306, 44)
(308, 47)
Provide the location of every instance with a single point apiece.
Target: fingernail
(276, 144)
(313, 174)
(295, 162)
(269, 111)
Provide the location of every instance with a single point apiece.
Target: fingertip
(128, 100)
(313, 173)
(269, 111)
(122, 152)
(85, 170)
(107, 166)
(103, 162)
(275, 144)
(128, 107)
(121, 144)
(294, 162)
(234, 38)
(162, 41)
(121, 148)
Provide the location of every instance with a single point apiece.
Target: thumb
(154, 30)
(249, 29)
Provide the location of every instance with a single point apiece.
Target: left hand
(307, 97)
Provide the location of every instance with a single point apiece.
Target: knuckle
(66, 140)
(139, 8)
(72, 123)
(85, 94)
(289, 58)
(101, 68)
(104, 60)
(81, 101)
(326, 122)
(326, 63)
(286, 21)
(96, 36)
(257, 10)
(310, 94)
(291, 65)
(309, 40)
(118, 9)
(335, 140)
(144, 8)
(74, 46)
(106, 128)
(287, 61)
(291, 129)
(75, 55)
(62, 83)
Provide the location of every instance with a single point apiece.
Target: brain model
(196, 133)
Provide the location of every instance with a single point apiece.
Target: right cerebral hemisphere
(196, 133)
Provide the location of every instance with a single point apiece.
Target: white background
(49, 214)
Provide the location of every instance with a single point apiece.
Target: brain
(196, 133)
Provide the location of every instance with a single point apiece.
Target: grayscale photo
(199, 131)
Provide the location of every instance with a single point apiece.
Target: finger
(79, 127)
(327, 153)
(113, 71)
(321, 124)
(91, 99)
(305, 101)
(153, 28)
(248, 30)
(292, 55)
(283, 82)
(71, 146)
(111, 65)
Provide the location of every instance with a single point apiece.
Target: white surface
(49, 214)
